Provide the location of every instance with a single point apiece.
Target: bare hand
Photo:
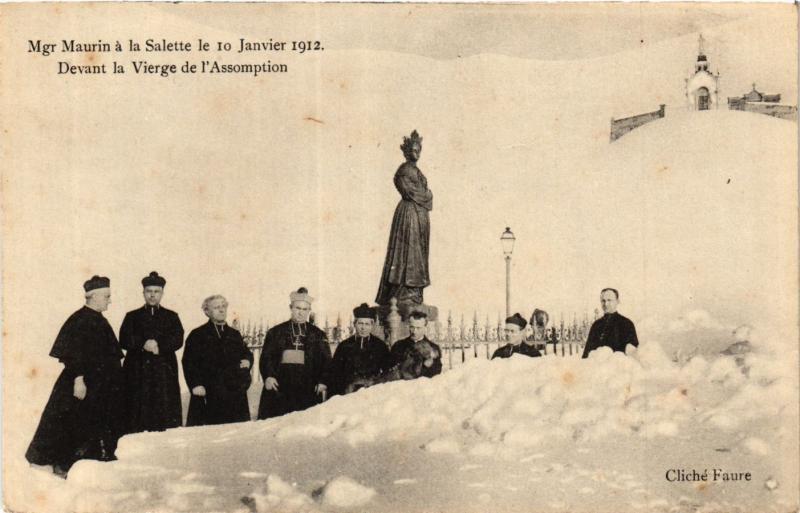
(151, 346)
(245, 364)
(79, 388)
(271, 384)
(428, 362)
(199, 391)
(320, 388)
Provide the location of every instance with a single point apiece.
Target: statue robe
(296, 382)
(70, 428)
(212, 359)
(405, 270)
(152, 392)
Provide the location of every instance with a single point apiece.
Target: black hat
(363, 311)
(96, 282)
(153, 280)
(518, 320)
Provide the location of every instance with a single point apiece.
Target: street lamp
(507, 240)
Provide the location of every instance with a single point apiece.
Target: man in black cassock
(295, 362)
(216, 366)
(362, 357)
(515, 334)
(150, 336)
(417, 347)
(83, 417)
(612, 329)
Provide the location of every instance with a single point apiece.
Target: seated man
(360, 360)
(416, 355)
(612, 329)
(515, 334)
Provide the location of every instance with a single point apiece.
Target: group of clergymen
(103, 393)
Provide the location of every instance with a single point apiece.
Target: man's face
(364, 327)
(152, 295)
(100, 300)
(218, 311)
(417, 327)
(609, 301)
(300, 311)
(513, 334)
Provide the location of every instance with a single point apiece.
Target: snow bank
(279, 496)
(344, 492)
(483, 427)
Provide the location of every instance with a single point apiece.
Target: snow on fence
(459, 342)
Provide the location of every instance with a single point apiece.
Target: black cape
(214, 363)
(357, 358)
(611, 330)
(152, 392)
(71, 429)
(402, 348)
(296, 382)
(509, 349)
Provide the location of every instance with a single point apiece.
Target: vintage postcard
(402, 258)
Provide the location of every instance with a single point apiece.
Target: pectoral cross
(296, 336)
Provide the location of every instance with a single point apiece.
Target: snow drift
(516, 434)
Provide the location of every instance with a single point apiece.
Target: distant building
(702, 87)
(702, 93)
(768, 104)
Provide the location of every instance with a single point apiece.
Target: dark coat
(611, 330)
(402, 349)
(215, 364)
(152, 392)
(509, 349)
(71, 429)
(296, 382)
(359, 358)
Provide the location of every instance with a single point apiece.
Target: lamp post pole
(508, 286)
(507, 240)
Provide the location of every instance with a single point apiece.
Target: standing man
(150, 336)
(515, 334)
(295, 362)
(417, 348)
(216, 366)
(612, 329)
(360, 358)
(82, 419)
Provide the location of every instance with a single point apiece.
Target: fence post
(461, 339)
(475, 335)
(487, 337)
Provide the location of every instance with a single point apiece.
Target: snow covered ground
(693, 217)
(512, 435)
(548, 434)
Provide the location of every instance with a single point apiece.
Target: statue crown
(408, 141)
